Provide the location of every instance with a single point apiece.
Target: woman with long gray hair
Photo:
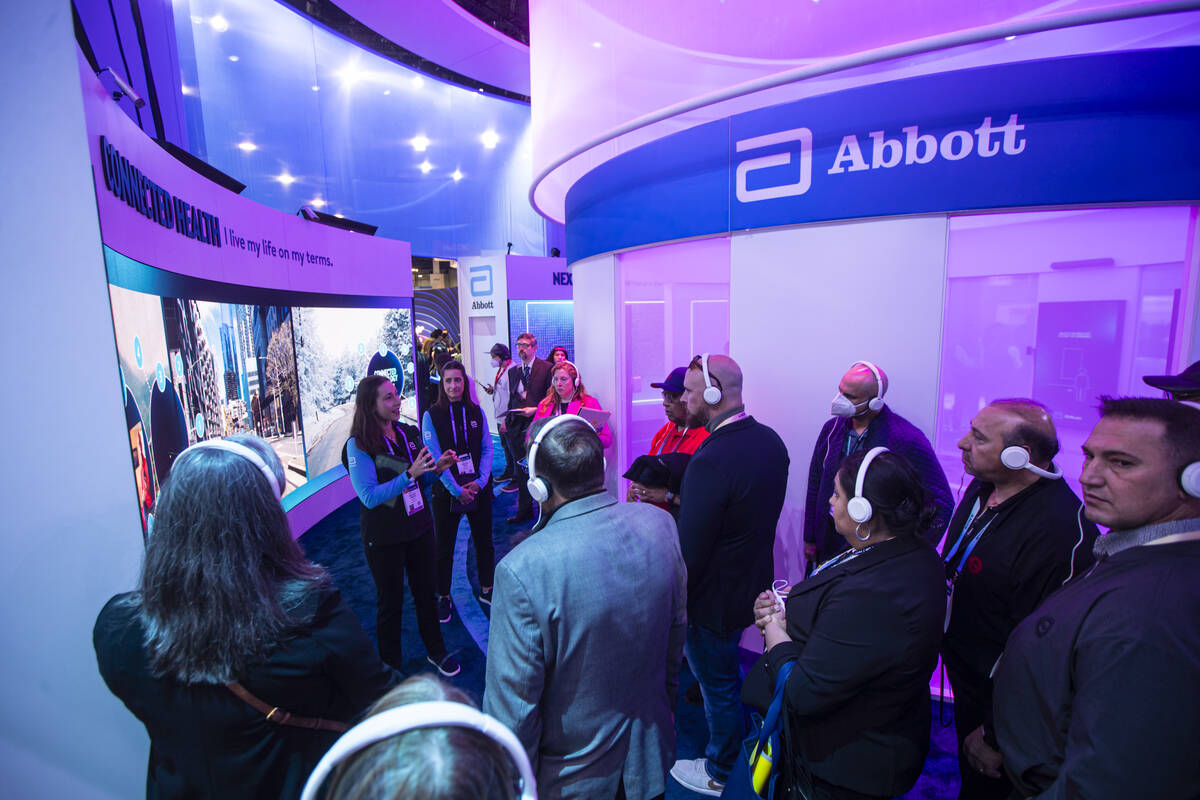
(236, 652)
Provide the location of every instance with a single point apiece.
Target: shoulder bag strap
(280, 717)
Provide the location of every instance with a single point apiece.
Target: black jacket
(730, 501)
(206, 742)
(539, 383)
(1098, 692)
(865, 634)
(1037, 540)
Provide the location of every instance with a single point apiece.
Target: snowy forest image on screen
(335, 349)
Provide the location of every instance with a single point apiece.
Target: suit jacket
(587, 630)
(539, 383)
(888, 430)
(865, 635)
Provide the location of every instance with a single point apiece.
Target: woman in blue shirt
(456, 424)
(386, 463)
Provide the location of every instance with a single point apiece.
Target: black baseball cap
(1186, 381)
(673, 383)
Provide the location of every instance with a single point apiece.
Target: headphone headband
(578, 375)
(538, 488)
(246, 453)
(430, 714)
(876, 402)
(712, 392)
(859, 507)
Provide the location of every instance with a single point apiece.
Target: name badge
(413, 502)
(465, 465)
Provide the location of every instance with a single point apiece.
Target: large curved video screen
(195, 369)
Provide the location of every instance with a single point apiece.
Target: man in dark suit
(528, 383)
(731, 497)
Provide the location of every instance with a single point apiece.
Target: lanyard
(971, 544)
(454, 430)
(679, 441)
(842, 558)
(388, 442)
(662, 449)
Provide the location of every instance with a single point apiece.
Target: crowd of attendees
(1073, 656)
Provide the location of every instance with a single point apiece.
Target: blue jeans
(713, 658)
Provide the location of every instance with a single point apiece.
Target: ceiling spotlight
(597, 45)
(387, 92)
(340, 216)
(186, 90)
(247, 146)
(234, 59)
(457, 175)
(316, 88)
(285, 179)
(1010, 38)
(419, 143)
(425, 166)
(349, 75)
(418, 81)
(219, 23)
(317, 202)
(197, 20)
(489, 138)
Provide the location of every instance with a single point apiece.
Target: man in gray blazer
(588, 622)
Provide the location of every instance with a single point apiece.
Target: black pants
(517, 426)
(969, 704)
(389, 564)
(445, 522)
(510, 461)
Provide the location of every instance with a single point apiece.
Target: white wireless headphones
(575, 368)
(433, 714)
(712, 393)
(1189, 478)
(1017, 457)
(246, 453)
(538, 488)
(876, 402)
(859, 507)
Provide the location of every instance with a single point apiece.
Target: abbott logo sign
(481, 280)
(800, 186)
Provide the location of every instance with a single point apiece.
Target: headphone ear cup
(875, 403)
(1189, 479)
(859, 509)
(1014, 457)
(712, 395)
(539, 490)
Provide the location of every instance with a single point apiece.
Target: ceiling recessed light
(489, 138)
(419, 143)
(597, 45)
(186, 90)
(247, 146)
(457, 175)
(350, 75)
(387, 92)
(316, 88)
(425, 166)
(1010, 38)
(285, 178)
(219, 23)
(317, 202)
(234, 59)
(418, 81)
(340, 216)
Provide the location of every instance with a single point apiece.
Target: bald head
(1031, 427)
(725, 374)
(860, 381)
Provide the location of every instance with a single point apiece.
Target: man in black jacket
(528, 383)
(731, 497)
(1017, 535)
(1098, 691)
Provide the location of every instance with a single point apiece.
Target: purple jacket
(888, 430)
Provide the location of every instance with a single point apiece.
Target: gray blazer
(588, 622)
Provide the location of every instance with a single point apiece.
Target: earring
(858, 532)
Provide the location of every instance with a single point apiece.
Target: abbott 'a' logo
(481, 280)
(800, 186)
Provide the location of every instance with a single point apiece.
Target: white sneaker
(692, 774)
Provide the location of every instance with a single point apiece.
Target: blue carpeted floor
(335, 544)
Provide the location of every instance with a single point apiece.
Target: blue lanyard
(841, 558)
(388, 443)
(974, 539)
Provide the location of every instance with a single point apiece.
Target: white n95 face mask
(495, 362)
(842, 407)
